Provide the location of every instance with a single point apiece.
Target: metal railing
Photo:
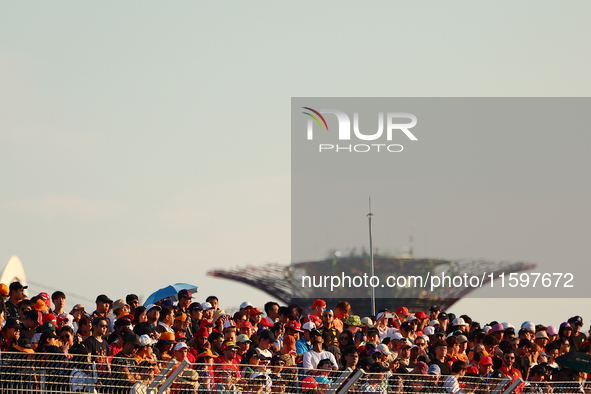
(59, 373)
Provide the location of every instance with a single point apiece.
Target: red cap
(202, 332)
(309, 383)
(246, 324)
(402, 310)
(294, 325)
(420, 315)
(205, 323)
(45, 297)
(255, 311)
(50, 317)
(318, 303)
(179, 335)
(472, 369)
(486, 361)
(267, 323)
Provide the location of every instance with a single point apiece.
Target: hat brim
(24, 349)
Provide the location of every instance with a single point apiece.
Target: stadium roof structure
(277, 280)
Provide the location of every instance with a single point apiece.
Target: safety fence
(59, 373)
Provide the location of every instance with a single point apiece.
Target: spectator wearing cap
(244, 344)
(434, 311)
(59, 302)
(146, 350)
(166, 320)
(401, 314)
(32, 320)
(153, 314)
(185, 297)
(103, 306)
(245, 308)
(10, 333)
(303, 345)
(196, 314)
(382, 325)
(353, 324)
(497, 331)
(16, 294)
(541, 339)
(266, 340)
(311, 358)
(165, 346)
(123, 365)
(439, 359)
(463, 346)
(577, 337)
(485, 368)
(207, 311)
(316, 309)
(229, 361)
(328, 326)
(552, 333)
(341, 312)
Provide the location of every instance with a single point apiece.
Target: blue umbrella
(169, 292)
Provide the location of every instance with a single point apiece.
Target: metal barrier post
(337, 383)
(161, 375)
(351, 381)
(173, 376)
(513, 386)
(501, 385)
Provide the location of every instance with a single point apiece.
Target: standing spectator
(153, 314)
(59, 301)
(213, 301)
(16, 294)
(507, 368)
(184, 297)
(103, 305)
(80, 377)
(328, 326)
(133, 302)
(577, 337)
(139, 315)
(97, 345)
(341, 312)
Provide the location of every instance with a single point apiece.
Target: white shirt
(312, 358)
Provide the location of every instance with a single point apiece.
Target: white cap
(486, 328)
(309, 326)
(367, 321)
(428, 331)
(434, 323)
(507, 325)
(459, 322)
(411, 318)
(152, 306)
(245, 304)
(426, 338)
(528, 326)
(206, 306)
(180, 345)
(384, 349)
(379, 316)
(396, 336)
(145, 340)
(229, 323)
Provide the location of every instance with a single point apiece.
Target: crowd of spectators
(121, 347)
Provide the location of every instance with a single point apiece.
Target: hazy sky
(144, 144)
